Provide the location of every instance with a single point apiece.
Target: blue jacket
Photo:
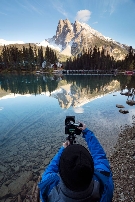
(52, 188)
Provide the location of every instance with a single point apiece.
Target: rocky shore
(122, 162)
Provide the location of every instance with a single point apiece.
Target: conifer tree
(40, 56)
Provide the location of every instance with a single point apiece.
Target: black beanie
(76, 167)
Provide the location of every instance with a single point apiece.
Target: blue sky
(36, 20)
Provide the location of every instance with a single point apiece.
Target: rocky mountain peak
(81, 36)
(64, 33)
(63, 26)
(77, 27)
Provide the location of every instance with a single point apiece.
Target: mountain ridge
(72, 38)
(81, 36)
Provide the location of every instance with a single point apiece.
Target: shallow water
(32, 117)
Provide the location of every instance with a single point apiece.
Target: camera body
(71, 126)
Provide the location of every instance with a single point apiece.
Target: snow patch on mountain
(50, 44)
(98, 34)
(4, 42)
(89, 29)
(67, 51)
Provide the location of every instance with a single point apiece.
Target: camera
(71, 128)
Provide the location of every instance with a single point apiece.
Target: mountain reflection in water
(32, 117)
(69, 90)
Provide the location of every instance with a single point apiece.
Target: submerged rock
(119, 106)
(130, 102)
(126, 93)
(123, 111)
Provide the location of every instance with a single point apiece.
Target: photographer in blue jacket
(78, 175)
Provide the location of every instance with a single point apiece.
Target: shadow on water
(32, 116)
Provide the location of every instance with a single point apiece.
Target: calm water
(32, 120)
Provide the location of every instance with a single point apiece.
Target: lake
(33, 109)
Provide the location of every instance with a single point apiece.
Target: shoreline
(122, 163)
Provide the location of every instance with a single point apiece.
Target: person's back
(77, 175)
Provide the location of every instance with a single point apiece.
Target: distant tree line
(129, 62)
(12, 58)
(94, 59)
(28, 59)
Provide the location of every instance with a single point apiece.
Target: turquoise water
(32, 119)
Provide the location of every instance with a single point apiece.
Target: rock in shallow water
(123, 111)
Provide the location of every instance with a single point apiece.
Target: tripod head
(71, 128)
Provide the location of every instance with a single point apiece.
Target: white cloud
(62, 11)
(35, 6)
(83, 15)
(59, 7)
(111, 6)
(95, 22)
(112, 9)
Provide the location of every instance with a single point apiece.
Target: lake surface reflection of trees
(33, 84)
(88, 84)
